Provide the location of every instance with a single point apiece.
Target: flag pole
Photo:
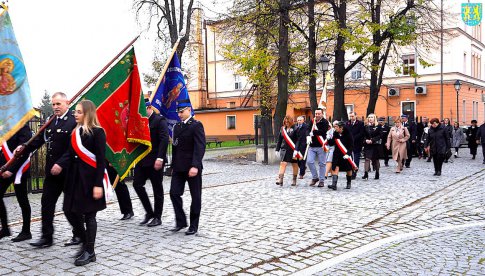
(167, 63)
(20, 152)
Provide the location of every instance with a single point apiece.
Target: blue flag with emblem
(471, 13)
(171, 89)
(15, 103)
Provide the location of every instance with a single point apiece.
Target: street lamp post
(457, 88)
(322, 64)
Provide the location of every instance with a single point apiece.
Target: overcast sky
(65, 43)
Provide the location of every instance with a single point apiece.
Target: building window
(356, 73)
(231, 121)
(476, 66)
(463, 108)
(475, 110)
(349, 108)
(237, 82)
(231, 104)
(408, 65)
(464, 63)
(477, 32)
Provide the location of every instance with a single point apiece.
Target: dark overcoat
(159, 138)
(338, 156)
(188, 146)
(438, 140)
(373, 133)
(281, 144)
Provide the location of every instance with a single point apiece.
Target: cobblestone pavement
(409, 223)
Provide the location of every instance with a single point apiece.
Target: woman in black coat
(84, 191)
(471, 135)
(285, 152)
(340, 162)
(438, 144)
(372, 139)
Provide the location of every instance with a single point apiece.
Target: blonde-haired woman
(285, 149)
(398, 135)
(372, 140)
(83, 191)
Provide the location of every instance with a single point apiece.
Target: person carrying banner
(188, 150)
(316, 141)
(87, 182)
(122, 193)
(287, 150)
(56, 136)
(301, 134)
(342, 155)
(17, 174)
(151, 167)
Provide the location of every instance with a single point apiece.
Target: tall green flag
(121, 112)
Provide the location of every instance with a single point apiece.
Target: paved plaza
(411, 223)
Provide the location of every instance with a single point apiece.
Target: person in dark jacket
(438, 144)
(301, 134)
(356, 128)
(471, 136)
(340, 161)
(449, 129)
(17, 174)
(480, 138)
(285, 150)
(84, 192)
(413, 139)
(420, 131)
(151, 167)
(384, 130)
(316, 153)
(372, 140)
(188, 151)
(122, 193)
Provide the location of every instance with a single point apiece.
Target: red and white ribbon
(90, 159)
(7, 153)
(320, 139)
(343, 149)
(290, 143)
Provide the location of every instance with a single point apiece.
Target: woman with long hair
(372, 138)
(438, 144)
(285, 149)
(398, 135)
(457, 135)
(84, 191)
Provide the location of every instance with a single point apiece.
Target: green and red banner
(122, 114)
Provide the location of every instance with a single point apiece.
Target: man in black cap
(411, 143)
(384, 130)
(188, 151)
(151, 167)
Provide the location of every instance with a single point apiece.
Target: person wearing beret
(188, 149)
(151, 167)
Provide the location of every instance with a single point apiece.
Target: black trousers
(53, 187)
(438, 160)
(124, 199)
(88, 232)
(156, 178)
(411, 147)
(356, 156)
(483, 151)
(302, 166)
(22, 198)
(473, 149)
(177, 188)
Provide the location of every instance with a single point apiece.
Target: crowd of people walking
(339, 146)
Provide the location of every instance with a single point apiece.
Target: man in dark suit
(301, 134)
(188, 151)
(151, 167)
(420, 130)
(411, 143)
(357, 129)
(384, 130)
(122, 193)
(57, 138)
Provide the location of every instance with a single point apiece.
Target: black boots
(366, 176)
(85, 258)
(334, 183)
(5, 232)
(349, 180)
(377, 174)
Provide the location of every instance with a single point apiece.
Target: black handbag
(448, 154)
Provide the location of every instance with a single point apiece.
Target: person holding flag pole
(316, 142)
(288, 151)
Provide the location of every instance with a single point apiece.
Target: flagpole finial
(182, 33)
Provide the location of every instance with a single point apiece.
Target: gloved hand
(311, 133)
(277, 153)
(346, 156)
(308, 140)
(294, 154)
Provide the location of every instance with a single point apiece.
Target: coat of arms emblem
(471, 13)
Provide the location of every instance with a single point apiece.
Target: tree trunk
(339, 110)
(376, 37)
(283, 63)
(312, 46)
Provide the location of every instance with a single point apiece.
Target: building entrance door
(409, 108)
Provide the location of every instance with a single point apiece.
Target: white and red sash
(90, 159)
(343, 149)
(320, 139)
(290, 143)
(7, 153)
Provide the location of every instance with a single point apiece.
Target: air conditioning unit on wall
(483, 98)
(420, 90)
(393, 92)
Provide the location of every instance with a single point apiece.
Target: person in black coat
(122, 193)
(471, 135)
(356, 127)
(285, 152)
(151, 167)
(188, 149)
(372, 141)
(437, 144)
(413, 139)
(56, 137)
(384, 131)
(302, 132)
(17, 174)
(420, 131)
(480, 138)
(84, 192)
(340, 161)
(449, 129)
